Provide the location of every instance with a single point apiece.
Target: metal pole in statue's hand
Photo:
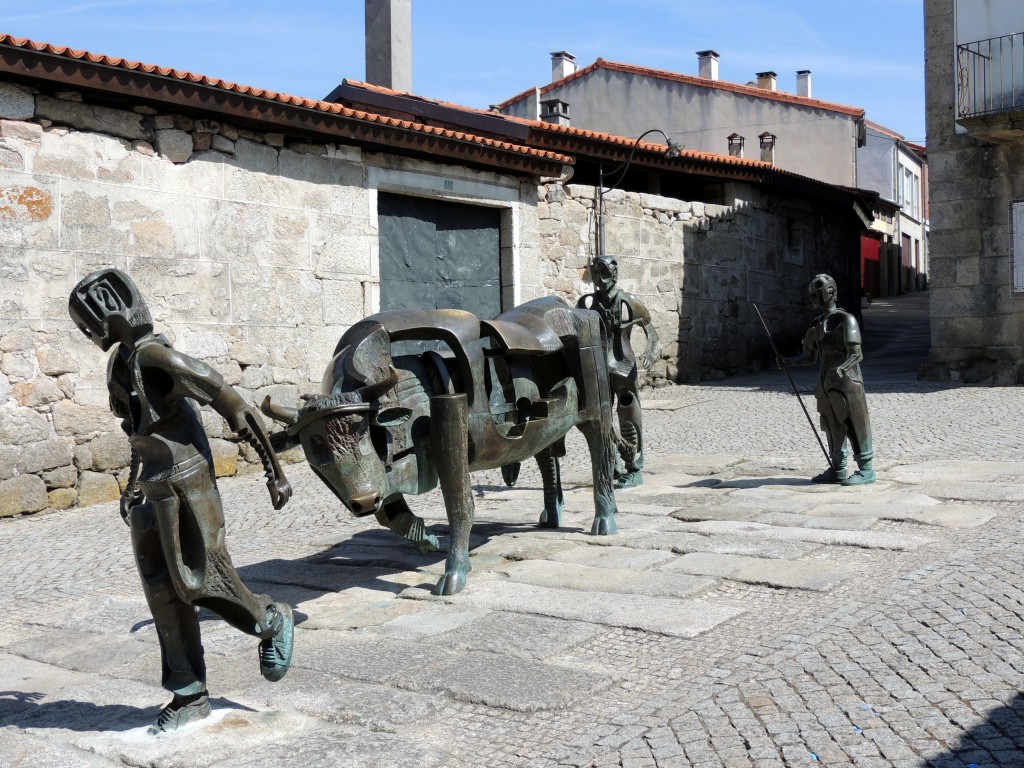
(782, 364)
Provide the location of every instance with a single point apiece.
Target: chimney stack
(767, 147)
(707, 64)
(803, 83)
(767, 81)
(389, 43)
(736, 143)
(554, 111)
(563, 64)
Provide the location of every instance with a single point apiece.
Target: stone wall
(976, 317)
(697, 266)
(254, 253)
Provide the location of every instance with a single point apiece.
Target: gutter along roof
(593, 146)
(131, 83)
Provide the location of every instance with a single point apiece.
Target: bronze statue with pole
(620, 311)
(171, 501)
(834, 341)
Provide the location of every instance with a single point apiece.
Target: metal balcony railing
(990, 75)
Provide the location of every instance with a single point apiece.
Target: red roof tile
(296, 101)
(747, 90)
(572, 131)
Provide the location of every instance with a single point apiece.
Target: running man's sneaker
(276, 651)
(181, 711)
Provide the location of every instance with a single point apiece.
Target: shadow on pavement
(997, 742)
(366, 559)
(23, 710)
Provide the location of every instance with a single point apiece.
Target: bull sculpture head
(343, 431)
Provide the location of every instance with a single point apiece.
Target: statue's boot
(836, 473)
(631, 450)
(181, 711)
(865, 475)
(276, 651)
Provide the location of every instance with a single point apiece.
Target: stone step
(763, 533)
(788, 574)
(545, 573)
(665, 615)
(492, 679)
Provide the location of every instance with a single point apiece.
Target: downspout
(899, 217)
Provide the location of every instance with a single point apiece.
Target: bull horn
(278, 412)
(372, 391)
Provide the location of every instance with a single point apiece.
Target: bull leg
(449, 427)
(602, 463)
(397, 516)
(551, 476)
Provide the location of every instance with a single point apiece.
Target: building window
(1017, 246)
(909, 192)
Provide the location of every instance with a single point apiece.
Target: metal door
(440, 255)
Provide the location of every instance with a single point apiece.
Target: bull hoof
(604, 526)
(550, 518)
(451, 583)
(630, 479)
(427, 544)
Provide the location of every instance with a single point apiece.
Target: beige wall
(817, 143)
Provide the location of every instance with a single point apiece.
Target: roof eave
(48, 70)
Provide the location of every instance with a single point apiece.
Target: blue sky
(868, 54)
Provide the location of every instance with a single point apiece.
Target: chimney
(554, 111)
(803, 83)
(563, 64)
(389, 44)
(767, 147)
(766, 80)
(707, 64)
(735, 144)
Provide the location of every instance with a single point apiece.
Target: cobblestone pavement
(741, 616)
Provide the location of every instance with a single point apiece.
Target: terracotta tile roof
(747, 90)
(687, 160)
(282, 98)
(572, 131)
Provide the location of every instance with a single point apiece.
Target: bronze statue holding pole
(171, 502)
(834, 341)
(620, 311)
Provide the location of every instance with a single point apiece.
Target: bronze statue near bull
(384, 426)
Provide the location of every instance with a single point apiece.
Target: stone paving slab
(667, 616)
(229, 732)
(971, 491)
(969, 471)
(786, 574)
(942, 515)
(612, 557)
(22, 749)
(864, 539)
(491, 679)
(517, 634)
(334, 699)
(860, 522)
(697, 541)
(422, 620)
(619, 580)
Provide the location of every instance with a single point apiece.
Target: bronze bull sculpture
(385, 426)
